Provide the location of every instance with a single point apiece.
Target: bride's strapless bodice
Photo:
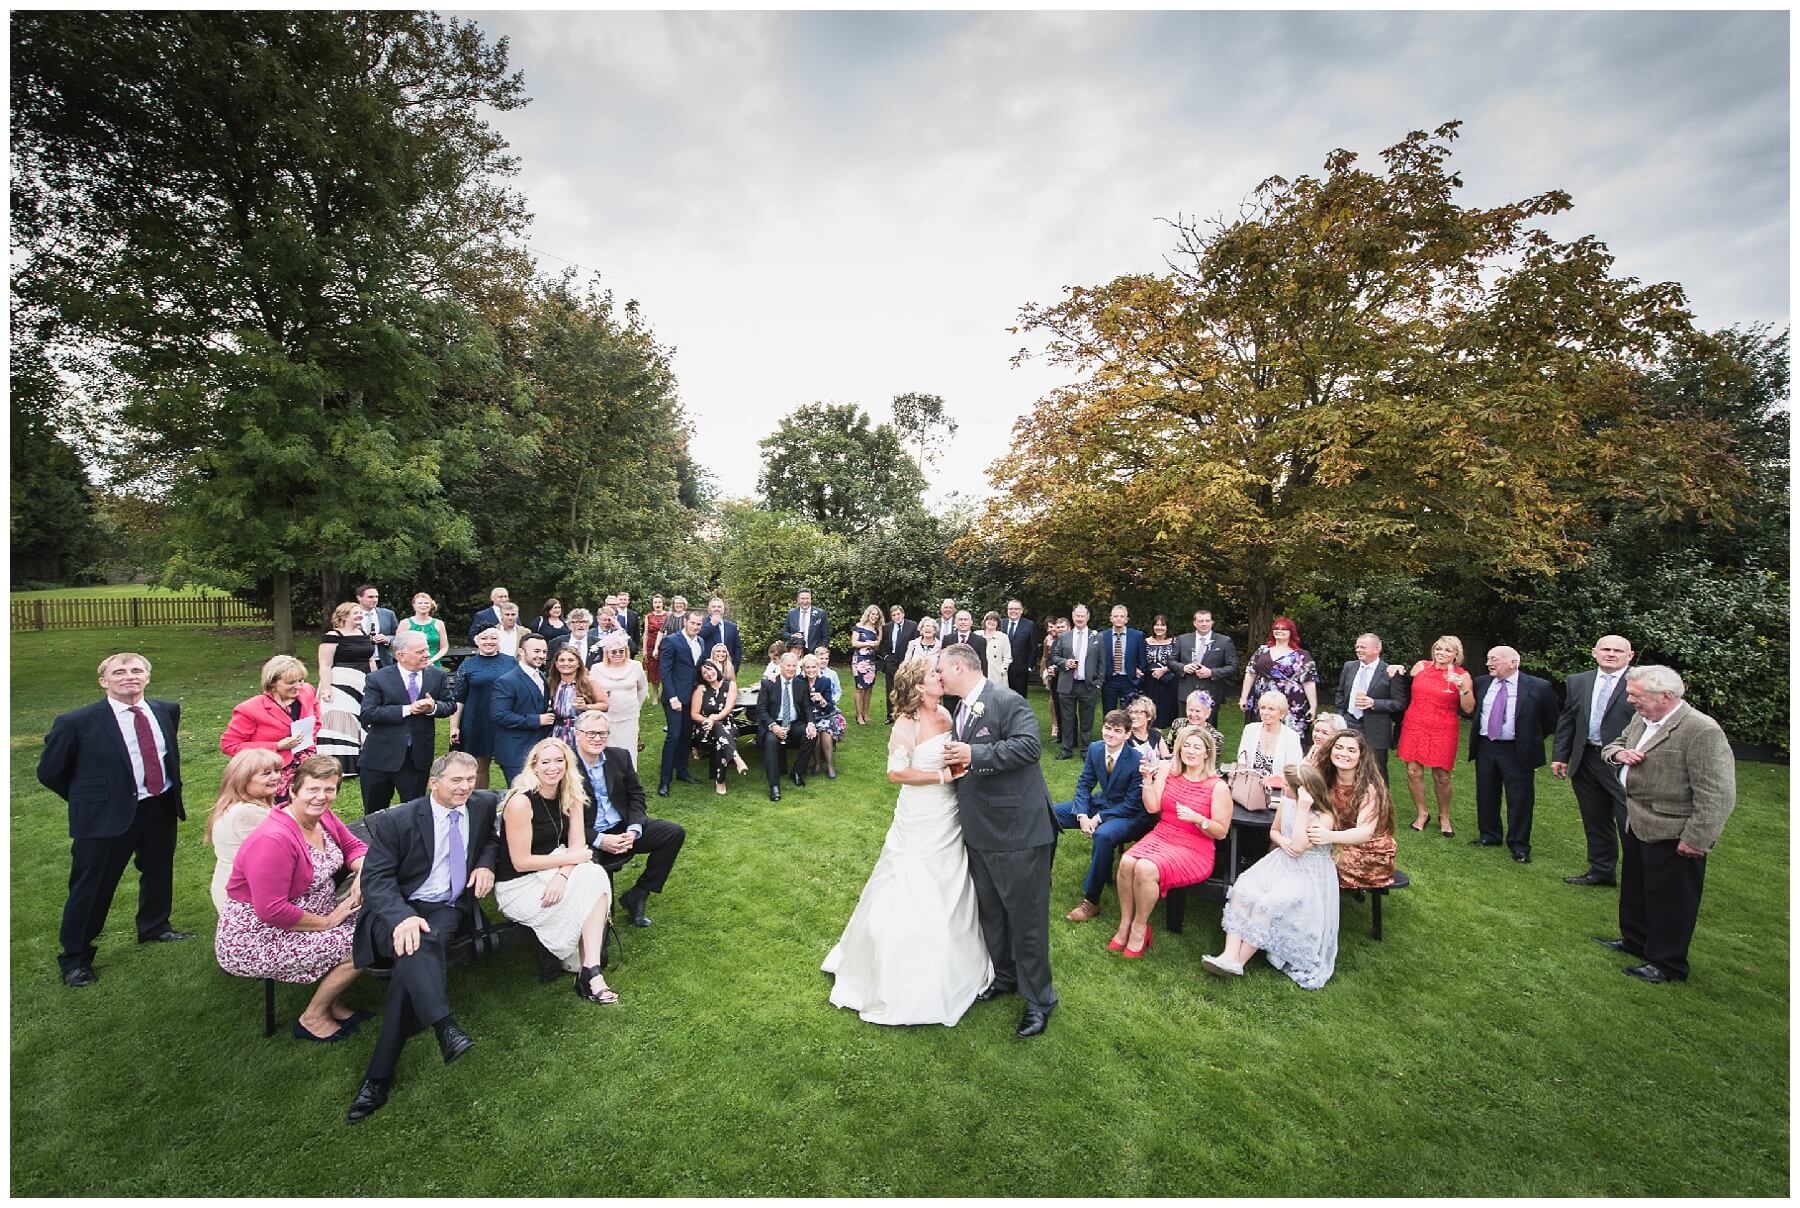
(928, 756)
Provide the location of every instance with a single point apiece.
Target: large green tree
(825, 462)
(287, 233)
(1354, 376)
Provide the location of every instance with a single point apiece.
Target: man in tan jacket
(1680, 786)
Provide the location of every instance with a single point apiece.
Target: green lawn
(1486, 1047)
(114, 591)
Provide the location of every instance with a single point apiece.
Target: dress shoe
(1084, 910)
(799, 781)
(1523, 857)
(1588, 878)
(831, 773)
(774, 792)
(1615, 945)
(344, 1032)
(1149, 937)
(371, 1097)
(1064, 755)
(1484, 843)
(662, 790)
(1221, 967)
(79, 976)
(1033, 1022)
(633, 902)
(453, 1041)
(685, 778)
(995, 990)
(168, 935)
(1648, 973)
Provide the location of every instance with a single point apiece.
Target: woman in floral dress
(1282, 665)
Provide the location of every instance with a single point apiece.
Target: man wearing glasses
(618, 827)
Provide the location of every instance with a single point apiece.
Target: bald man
(1514, 712)
(1595, 712)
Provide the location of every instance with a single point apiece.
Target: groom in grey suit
(1008, 827)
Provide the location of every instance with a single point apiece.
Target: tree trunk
(331, 594)
(282, 607)
(1259, 603)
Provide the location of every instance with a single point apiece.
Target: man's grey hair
(1663, 681)
(963, 653)
(582, 615)
(444, 762)
(1373, 637)
(406, 641)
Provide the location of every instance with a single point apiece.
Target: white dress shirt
(128, 728)
(1605, 684)
(436, 887)
(1650, 729)
(1365, 672)
(1512, 707)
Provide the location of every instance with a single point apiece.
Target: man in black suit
(618, 826)
(1372, 699)
(962, 632)
(1078, 654)
(946, 619)
(785, 719)
(489, 617)
(678, 662)
(582, 636)
(1022, 635)
(1514, 713)
(1595, 712)
(806, 622)
(400, 708)
(116, 762)
(896, 635)
(428, 862)
(719, 630)
(1208, 660)
(379, 623)
(631, 621)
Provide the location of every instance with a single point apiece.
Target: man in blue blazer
(679, 659)
(116, 762)
(806, 622)
(489, 617)
(1514, 713)
(1125, 660)
(1108, 807)
(718, 631)
(379, 623)
(400, 707)
(521, 707)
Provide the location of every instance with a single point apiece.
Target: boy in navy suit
(1108, 807)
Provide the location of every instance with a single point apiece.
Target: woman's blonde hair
(1209, 764)
(906, 685)
(234, 788)
(864, 619)
(1454, 645)
(279, 668)
(430, 604)
(341, 613)
(1277, 697)
(569, 798)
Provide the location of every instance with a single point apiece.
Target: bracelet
(943, 775)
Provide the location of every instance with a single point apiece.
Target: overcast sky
(847, 206)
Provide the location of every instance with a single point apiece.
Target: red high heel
(1115, 945)
(1134, 953)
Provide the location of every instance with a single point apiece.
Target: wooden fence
(119, 612)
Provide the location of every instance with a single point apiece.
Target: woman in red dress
(653, 624)
(1192, 808)
(1431, 729)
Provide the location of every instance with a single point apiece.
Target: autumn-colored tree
(1356, 375)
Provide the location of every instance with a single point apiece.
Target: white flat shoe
(1222, 967)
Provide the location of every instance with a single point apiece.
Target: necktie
(1011, 629)
(1601, 698)
(787, 703)
(1109, 764)
(146, 738)
(962, 719)
(1118, 654)
(412, 685)
(459, 860)
(896, 639)
(1496, 721)
(1081, 654)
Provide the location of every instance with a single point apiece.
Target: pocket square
(984, 732)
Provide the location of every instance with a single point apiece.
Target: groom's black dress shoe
(1033, 1022)
(453, 1041)
(371, 1097)
(774, 792)
(1648, 973)
(995, 991)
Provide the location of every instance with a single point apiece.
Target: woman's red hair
(1293, 631)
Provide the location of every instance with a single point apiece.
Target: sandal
(583, 980)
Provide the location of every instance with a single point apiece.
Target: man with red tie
(117, 764)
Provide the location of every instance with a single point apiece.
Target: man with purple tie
(1514, 713)
(400, 707)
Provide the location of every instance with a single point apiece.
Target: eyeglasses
(592, 733)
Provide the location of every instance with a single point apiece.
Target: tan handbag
(1248, 789)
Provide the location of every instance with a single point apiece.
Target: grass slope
(1486, 1047)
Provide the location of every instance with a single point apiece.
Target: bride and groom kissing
(957, 909)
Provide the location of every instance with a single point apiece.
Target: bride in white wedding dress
(912, 951)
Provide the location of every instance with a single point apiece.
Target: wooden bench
(1400, 881)
(1213, 888)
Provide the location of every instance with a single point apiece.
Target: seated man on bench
(618, 826)
(1108, 807)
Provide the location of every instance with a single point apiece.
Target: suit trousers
(774, 751)
(1602, 804)
(378, 788)
(1017, 679)
(1115, 690)
(887, 675)
(1077, 717)
(1108, 837)
(1012, 896)
(660, 843)
(1380, 753)
(95, 867)
(675, 746)
(1498, 766)
(1659, 902)
(418, 996)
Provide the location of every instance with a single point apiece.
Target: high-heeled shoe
(719, 788)
(1448, 834)
(1115, 945)
(1134, 953)
(583, 987)
(1420, 825)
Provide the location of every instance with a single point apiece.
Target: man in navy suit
(428, 861)
(1127, 659)
(1108, 807)
(379, 623)
(806, 622)
(896, 635)
(400, 708)
(1021, 633)
(1514, 712)
(117, 764)
(1595, 713)
(631, 621)
(489, 617)
(679, 661)
(718, 631)
(521, 707)
(784, 714)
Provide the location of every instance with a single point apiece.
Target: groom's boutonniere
(978, 709)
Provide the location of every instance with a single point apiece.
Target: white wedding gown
(912, 951)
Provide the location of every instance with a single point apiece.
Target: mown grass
(115, 591)
(1486, 1047)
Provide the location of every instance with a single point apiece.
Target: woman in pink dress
(1431, 729)
(1192, 808)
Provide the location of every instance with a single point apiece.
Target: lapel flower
(977, 709)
